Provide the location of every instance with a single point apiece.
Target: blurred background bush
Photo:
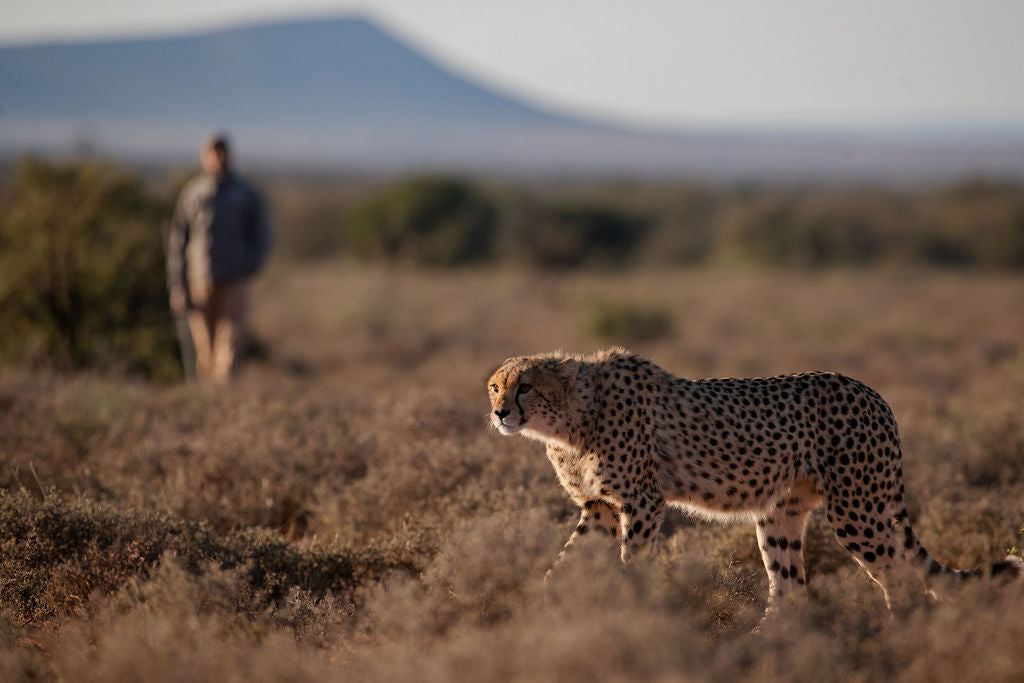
(82, 270)
(430, 220)
(81, 253)
(444, 220)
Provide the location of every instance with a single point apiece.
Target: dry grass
(342, 511)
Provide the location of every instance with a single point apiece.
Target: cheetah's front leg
(639, 523)
(595, 515)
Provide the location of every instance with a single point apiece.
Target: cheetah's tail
(927, 566)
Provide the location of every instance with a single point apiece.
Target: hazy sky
(661, 62)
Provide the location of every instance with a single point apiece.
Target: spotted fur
(626, 438)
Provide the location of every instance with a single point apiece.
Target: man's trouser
(218, 329)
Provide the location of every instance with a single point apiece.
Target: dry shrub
(17, 662)
(57, 553)
(361, 521)
(180, 627)
(487, 615)
(996, 454)
(970, 635)
(240, 458)
(481, 576)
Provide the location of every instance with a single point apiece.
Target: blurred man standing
(219, 239)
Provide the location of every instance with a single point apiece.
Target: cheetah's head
(530, 395)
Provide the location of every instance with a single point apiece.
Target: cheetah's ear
(567, 371)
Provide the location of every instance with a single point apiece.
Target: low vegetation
(343, 511)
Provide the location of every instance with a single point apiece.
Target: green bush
(425, 220)
(82, 271)
(683, 233)
(449, 221)
(615, 321)
(974, 224)
(577, 235)
(808, 230)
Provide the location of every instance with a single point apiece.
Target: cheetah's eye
(524, 389)
(494, 388)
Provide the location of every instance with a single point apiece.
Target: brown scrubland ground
(344, 512)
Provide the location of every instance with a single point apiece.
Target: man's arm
(260, 235)
(177, 240)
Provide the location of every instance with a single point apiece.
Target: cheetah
(627, 438)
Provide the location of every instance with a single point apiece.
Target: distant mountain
(343, 93)
(340, 72)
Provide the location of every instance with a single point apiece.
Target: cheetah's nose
(502, 413)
